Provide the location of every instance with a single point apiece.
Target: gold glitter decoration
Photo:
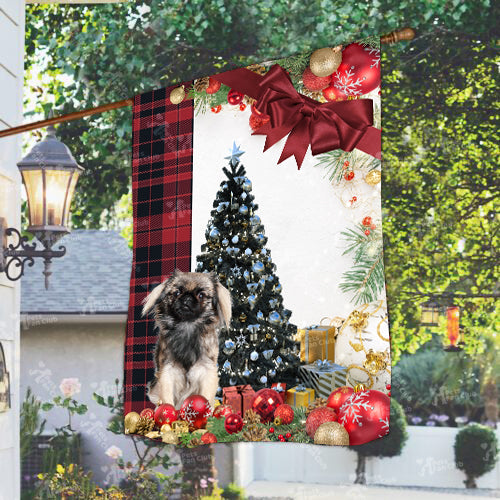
(332, 434)
(153, 435)
(170, 437)
(131, 420)
(277, 421)
(177, 95)
(165, 428)
(242, 317)
(358, 320)
(325, 61)
(144, 425)
(375, 362)
(359, 388)
(180, 427)
(201, 84)
(249, 100)
(257, 68)
(373, 178)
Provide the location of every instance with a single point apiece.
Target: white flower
(114, 452)
(70, 386)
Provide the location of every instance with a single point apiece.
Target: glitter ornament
(285, 413)
(177, 95)
(233, 423)
(317, 417)
(325, 61)
(195, 410)
(222, 411)
(165, 414)
(332, 434)
(148, 413)
(208, 438)
(313, 82)
(213, 86)
(265, 403)
(373, 177)
(131, 419)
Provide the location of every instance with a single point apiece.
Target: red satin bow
(324, 126)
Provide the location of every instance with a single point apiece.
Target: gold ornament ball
(373, 178)
(165, 428)
(170, 437)
(332, 434)
(131, 420)
(325, 61)
(177, 95)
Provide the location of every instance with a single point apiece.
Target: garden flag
(257, 297)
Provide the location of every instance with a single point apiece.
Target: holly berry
(346, 163)
(389, 393)
(288, 435)
(349, 176)
(354, 198)
(280, 437)
(367, 221)
(243, 106)
(213, 86)
(367, 232)
(388, 387)
(271, 430)
(216, 109)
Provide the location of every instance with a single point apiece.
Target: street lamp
(50, 173)
(429, 315)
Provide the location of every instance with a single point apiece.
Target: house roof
(92, 278)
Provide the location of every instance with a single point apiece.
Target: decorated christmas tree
(258, 348)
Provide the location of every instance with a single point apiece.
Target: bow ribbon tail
(297, 142)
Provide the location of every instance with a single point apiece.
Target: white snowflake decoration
(190, 414)
(346, 82)
(241, 340)
(236, 271)
(209, 410)
(352, 407)
(375, 53)
(384, 429)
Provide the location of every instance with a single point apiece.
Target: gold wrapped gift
(318, 342)
(299, 396)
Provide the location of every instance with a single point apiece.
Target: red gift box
(239, 398)
(279, 387)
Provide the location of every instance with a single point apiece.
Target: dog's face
(189, 297)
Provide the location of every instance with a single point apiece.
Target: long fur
(187, 347)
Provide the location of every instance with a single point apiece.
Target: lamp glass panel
(55, 194)
(34, 191)
(71, 192)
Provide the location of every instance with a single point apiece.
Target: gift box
(239, 398)
(279, 387)
(299, 396)
(323, 376)
(317, 342)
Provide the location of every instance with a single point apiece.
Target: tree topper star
(234, 154)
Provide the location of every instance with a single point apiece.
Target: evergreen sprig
(366, 278)
(204, 102)
(371, 41)
(295, 65)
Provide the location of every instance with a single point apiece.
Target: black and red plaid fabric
(162, 172)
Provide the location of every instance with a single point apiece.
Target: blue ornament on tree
(275, 318)
(235, 239)
(248, 251)
(258, 267)
(247, 185)
(243, 209)
(214, 233)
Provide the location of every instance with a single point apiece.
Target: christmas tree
(258, 348)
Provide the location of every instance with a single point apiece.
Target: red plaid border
(162, 171)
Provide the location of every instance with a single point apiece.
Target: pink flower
(203, 483)
(114, 452)
(70, 387)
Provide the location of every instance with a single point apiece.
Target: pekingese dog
(188, 309)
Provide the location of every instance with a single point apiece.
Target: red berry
(367, 221)
(349, 176)
(373, 226)
(216, 109)
(346, 163)
(281, 436)
(388, 387)
(313, 82)
(389, 393)
(243, 106)
(354, 198)
(367, 232)
(288, 435)
(271, 429)
(213, 86)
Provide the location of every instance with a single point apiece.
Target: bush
(476, 452)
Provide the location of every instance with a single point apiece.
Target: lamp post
(429, 315)
(50, 173)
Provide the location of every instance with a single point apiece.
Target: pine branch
(295, 65)
(204, 102)
(371, 41)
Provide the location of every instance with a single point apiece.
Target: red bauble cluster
(265, 402)
(233, 423)
(317, 417)
(234, 97)
(222, 411)
(365, 416)
(148, 413)
(285, 413)
(257, 119)
(313, 82)
(213, 86)
(165, 414)
(195, 411)
(338, 397)
(208, 438)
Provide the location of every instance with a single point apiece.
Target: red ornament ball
(271, 430)
(265, 402)
(222, 411)
(285, 413)
(313, 82)
(257, 121)
(165, 414)
(148, 413)
(208, 438)
(233, 423)
(216, 109)
(365, 416)
(213, 86)
(388, 387)
(317, 417)
(195, 411)
(243, 106)
(367, 221)
(359, 72)
(338, 397)
(332, 93)
(234, 97)
(349, 176)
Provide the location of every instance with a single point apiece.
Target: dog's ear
(153, 298)
(223, 303)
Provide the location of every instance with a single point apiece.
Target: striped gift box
(323, 376)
